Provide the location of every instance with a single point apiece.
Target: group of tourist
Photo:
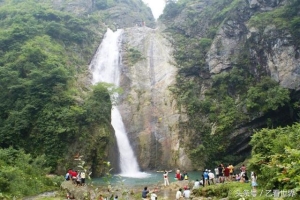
(225, 174)
(77, 177)
(222, 174)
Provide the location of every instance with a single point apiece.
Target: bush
(275, 157)
(22, 175)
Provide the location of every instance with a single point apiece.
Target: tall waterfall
(105, 67)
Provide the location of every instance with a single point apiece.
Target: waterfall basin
(149, 179)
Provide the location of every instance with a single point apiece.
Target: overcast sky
(157, 6)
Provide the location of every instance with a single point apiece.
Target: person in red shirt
(178, 175)
(74, 176)
(226, 173)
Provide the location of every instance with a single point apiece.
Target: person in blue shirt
(205, 176)
(144, 193)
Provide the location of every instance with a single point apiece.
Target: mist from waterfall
(105, 67)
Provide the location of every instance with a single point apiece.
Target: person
(226, 173)
(217, 173)
(178, 175)
(153, 196)
(78, 179)
(231, 169)
(166, 178)
(220, 169)
(67, 176)
(185, 175)
(237, 177)
(74, 177)
(144, 193)
(101, 197)
(178, 194)
(201, 182)
(82, 175)
(205, 176)
(70, 172)
(253, 181)
(211, 178)
(242, 177)
(186, 193)
(196, 184)
(181, 177)
(243, 168)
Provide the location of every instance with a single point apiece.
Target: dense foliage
(275, 157)
(22, 175)
(42, 105)
(219, 104)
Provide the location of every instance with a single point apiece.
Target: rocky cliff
(226, 51)
(149, 110)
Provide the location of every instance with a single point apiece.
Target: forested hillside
(47, 104)
(238, 63)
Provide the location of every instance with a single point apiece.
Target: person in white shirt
(217, 174)
(153, 196)
(178, 194)
(82, 175)
(211, 177)
(187, 193)
(196, 184)
(166, 178)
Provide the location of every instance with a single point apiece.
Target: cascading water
(105, 67)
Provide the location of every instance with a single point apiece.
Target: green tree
(22, 175)
(275, 157)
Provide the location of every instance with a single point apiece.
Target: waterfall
(105, 67)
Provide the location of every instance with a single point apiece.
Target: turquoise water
(153, 178)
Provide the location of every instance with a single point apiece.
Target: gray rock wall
(270, 48)
(150, 112)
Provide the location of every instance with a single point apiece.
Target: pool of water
(151, 178)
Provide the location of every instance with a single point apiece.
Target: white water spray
(105, 68)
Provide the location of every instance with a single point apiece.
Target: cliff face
(270, 48)
(149, 110)
(247, 42)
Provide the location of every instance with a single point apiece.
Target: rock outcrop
(270, 48)
(149, 110)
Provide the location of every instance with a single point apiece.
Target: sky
(157, 6)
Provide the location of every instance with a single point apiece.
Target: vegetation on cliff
(46, 107)
(124, 13)
(219, 104)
